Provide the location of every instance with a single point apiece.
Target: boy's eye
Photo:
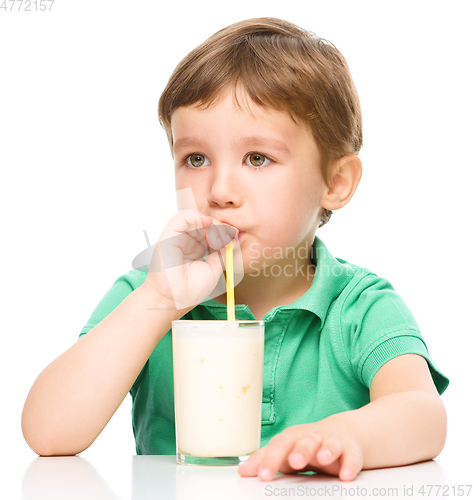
(197, 160)
(257, 160)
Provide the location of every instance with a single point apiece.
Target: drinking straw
(229, 278)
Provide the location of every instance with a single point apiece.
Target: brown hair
(282, 67)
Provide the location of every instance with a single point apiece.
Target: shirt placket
(275, 329)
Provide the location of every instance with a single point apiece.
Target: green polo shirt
(321, 351)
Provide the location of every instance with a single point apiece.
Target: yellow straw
(229, 266)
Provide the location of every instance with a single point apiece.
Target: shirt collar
(331, 276)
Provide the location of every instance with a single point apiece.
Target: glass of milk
(218, 372)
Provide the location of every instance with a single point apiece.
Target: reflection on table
(158, 476)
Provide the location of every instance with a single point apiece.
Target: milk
(218, 369)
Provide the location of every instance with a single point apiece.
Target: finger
(231, 231)
(217, 263)
(219, 235)
(250, 467)
(276, 453)
(222, 229)
(330, 451)
(182, 241)
(304, 450)
(215, 236)
(183, 227)
(206, 220)
(351, 464)
(186, 221)
(197, 223)
(226, 231)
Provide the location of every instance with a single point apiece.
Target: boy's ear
(347, 172)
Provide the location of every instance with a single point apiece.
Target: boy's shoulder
(339, 280)
(363, 279)
(355, 302)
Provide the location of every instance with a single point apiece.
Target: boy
(264, 125)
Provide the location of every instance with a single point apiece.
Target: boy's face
(254, 169)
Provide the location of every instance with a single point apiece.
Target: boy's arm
(75, 396)
(404, 423)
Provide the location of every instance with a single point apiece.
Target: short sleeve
(379, 327)
(122, 287)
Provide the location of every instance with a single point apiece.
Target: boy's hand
(177, 273)
(320, 447)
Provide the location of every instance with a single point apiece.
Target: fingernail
(266, 474)
(325, 454)
(297, 457)
(346, 474)
(219, 241)
(227, 238)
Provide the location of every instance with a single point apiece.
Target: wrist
(154, 301)
(349, 425)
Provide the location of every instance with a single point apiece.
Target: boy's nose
(225, 187)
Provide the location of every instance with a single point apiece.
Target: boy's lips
(232, 225)
(240, 232)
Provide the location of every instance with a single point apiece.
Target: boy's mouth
(235, 227)
(240, 233)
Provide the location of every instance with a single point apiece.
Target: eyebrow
(269, 142)
(259, 141)
(185, 142)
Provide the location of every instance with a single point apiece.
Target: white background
(85, 168)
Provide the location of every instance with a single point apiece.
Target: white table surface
(149, 477)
